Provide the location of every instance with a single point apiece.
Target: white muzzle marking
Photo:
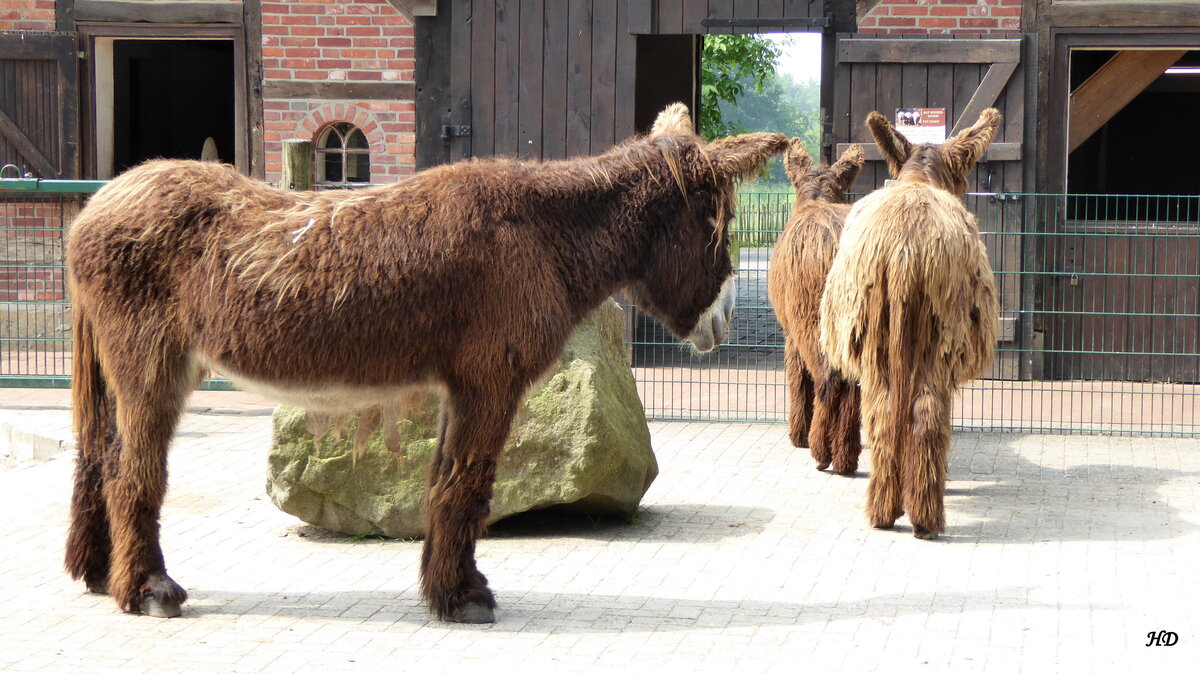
(714, 323)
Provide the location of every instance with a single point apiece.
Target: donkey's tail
(89, 390)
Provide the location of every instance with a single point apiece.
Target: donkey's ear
(674, 118)
(895, 147)
(796, 161)
(968, 145)
(742, 156)
(845, 169)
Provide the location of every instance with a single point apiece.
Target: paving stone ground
(1062, 554)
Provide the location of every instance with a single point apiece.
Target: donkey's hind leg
(148, 409)
(461, 477)
(820, 432)
(883, 490)
(924, 463)
(89, 546)
(800, 392)
(847, 430)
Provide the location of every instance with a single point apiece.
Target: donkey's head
(824, 183)
(945, 166)
(687, 281)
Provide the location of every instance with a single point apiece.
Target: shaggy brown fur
(824, 405)
(467, 277)
(910, 311)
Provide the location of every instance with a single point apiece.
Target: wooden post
(297, 165)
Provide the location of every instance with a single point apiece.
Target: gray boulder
(581, 443)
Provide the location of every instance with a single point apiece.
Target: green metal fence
(1100, 321)
(1100, 314)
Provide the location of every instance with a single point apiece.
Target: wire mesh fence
(1099, 321)
(35, 322)
(1099, 297)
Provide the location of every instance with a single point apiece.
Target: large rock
(581, 443)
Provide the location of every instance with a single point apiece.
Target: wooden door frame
(1063, 41)
(244, 145)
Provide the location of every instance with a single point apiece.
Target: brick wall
(943, 17)
(27, 15)
(337, 41)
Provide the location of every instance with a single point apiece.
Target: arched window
(343, 155)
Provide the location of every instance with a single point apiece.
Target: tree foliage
(742, 92)
(728, 65)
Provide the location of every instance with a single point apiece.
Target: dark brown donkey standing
(467, 277)
(824, 405)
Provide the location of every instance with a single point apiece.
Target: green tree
(728, 65)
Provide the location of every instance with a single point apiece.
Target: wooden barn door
(963, 76)
(39, 104)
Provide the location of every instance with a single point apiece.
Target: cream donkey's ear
(742, 156)
(895, 147)
(796, 161)
(968, 145)
(845, 170)
(674, 118)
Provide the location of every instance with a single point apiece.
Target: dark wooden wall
(548, 79)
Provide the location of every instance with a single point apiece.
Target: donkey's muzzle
(714, 323)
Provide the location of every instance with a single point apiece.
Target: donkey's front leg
(461, 476)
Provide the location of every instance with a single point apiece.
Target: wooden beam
(995, 152)
(13, 133)
(929, 51)
(158, 12)
(346, 91)
(985, 96)
(1109, 13)
(410, 9)
(1112, 87)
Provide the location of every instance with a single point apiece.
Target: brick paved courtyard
(1062, 553)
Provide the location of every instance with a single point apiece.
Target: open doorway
(1148, 146)
(165, 97)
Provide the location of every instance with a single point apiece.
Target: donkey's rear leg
(883, 490)
(461, 478)
(89, 547)
(847, 430)
(148, 410)
(800, 390)
(924, 464)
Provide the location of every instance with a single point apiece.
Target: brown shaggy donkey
(910, 311)
(467, 277)
(824, 405)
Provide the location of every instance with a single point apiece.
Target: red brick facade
(27, 15)
(328, 41)
(943, 17)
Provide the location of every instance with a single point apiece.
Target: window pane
(358, 168)
(333, 167)
(356, 140)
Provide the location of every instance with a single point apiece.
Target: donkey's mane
(930, 165)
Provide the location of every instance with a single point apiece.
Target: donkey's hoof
(97, 586)
(924, 534)
(164, 608)
(883, 525)
(473, 613)
(822, 465)
(163, 597)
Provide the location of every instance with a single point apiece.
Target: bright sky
(801, 56)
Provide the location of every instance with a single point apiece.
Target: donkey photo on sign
(468, 278)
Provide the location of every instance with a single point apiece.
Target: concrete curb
(21, 444)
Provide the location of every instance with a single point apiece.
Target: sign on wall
(922, 125)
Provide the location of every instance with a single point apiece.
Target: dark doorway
(1149, 146)
(170, 97)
